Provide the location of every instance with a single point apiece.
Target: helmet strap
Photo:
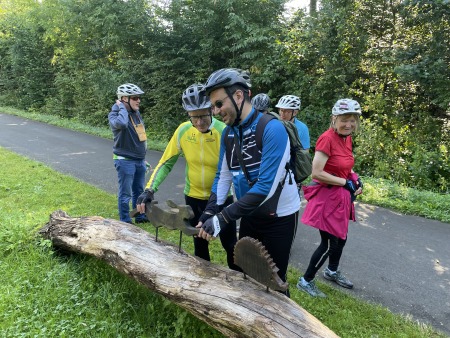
(294, 114)
(129, 105)
(238, 110)
(209, 128)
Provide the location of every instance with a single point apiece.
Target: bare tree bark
(235, 306)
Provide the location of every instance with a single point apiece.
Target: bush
(399, 154)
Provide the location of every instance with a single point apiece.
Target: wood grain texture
(221, 297)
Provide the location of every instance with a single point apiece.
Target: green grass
(46, 294)
(409, 201)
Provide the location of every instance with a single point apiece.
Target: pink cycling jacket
(329, 208)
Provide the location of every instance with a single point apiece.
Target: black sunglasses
(219, 103)
(135, 98)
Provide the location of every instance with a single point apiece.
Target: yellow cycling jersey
(201, 151)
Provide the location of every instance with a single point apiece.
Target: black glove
(210, 211)
(350, 186)
(360, 183)
(146, 196)
(214, 224)
(205, 216)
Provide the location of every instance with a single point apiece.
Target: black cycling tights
(227, 236)
(330, 247)
(276, 234)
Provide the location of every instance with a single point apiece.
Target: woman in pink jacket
(330, 196)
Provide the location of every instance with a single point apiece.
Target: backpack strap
(260, 128)
(228, 145)
(237, 149)
(266, 118)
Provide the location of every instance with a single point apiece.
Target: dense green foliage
(68, 57)
(46, 293)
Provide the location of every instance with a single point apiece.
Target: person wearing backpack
(331, 195)
(267, 199)
(199, 140)
(288, 107)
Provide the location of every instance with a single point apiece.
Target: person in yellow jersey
(199, 141)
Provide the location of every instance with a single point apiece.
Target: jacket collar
(250, 119)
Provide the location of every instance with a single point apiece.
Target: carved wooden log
(221, 297)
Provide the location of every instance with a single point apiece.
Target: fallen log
(221, 297)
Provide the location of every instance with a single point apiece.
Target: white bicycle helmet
(261, 102)
(194, 98)
(289, 102)
(128, 89)
(346, 106)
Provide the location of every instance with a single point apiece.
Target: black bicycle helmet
(227, 77)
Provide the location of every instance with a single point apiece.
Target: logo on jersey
(250, 154)
(192, 138)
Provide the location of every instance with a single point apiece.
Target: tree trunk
(221, 297)
(313, 8)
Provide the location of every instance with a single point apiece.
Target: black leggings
(330, 247)
(227, 236)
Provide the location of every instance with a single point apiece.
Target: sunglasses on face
(219, 103)
(199, 117)
(135, 98)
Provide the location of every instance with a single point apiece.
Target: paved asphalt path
(401, 262)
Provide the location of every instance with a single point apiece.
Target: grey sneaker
(310, 288)
(338, 278)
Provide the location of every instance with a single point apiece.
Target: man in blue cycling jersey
(267, 199)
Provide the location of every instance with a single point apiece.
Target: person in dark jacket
(129, 149)
(330, 197)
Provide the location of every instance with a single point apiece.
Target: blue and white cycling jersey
(274, 192)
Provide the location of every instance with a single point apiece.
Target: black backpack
(300, 163)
